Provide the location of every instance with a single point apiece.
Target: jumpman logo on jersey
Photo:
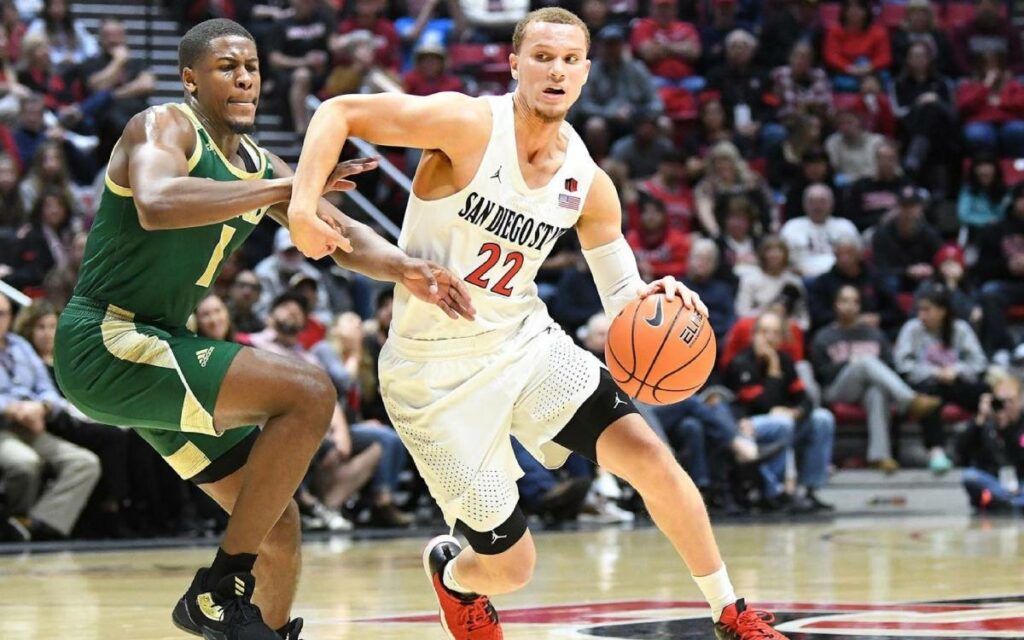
(618, 401)
(497, 174)
(495, 537)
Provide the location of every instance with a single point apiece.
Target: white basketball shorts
(455, 404)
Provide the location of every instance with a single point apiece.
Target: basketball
(660, 352)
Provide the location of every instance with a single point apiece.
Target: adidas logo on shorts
(203, 355)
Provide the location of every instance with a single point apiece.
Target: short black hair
(291, 296)
(196, 40)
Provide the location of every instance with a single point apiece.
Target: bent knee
(515, 567)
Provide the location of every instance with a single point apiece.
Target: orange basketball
(660, 352)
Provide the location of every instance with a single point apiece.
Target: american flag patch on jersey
(569, 202)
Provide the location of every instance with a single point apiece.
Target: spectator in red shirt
(670, 47)
(368, 17)
(660, 250)
(668, 186)
(992, 106)
(429, 75)
(856, 47)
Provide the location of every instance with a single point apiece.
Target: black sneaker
(293, 629)
(223, 613)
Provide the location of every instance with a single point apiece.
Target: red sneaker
(462, 617)
(739, 623)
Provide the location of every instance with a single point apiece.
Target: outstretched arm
(157, 144)
(444, 121)
(374, 256)
(610, 257)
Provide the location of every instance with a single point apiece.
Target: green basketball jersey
(161, 275)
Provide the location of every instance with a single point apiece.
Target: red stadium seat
(484, 61)
(952, 413)
(905, 301)
(1015, 313)
(1013, 170)
(848, 414)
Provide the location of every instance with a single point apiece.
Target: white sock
(449, 581)
(717, 590)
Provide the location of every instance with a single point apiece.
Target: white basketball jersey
(495, 234)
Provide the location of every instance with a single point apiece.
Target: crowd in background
(841, 183)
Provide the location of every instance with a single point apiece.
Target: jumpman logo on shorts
(618, 401)
(497, 174)
(495, 537)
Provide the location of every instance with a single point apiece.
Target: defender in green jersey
(184, 187)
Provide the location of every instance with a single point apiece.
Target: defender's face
(226, 82)
(552, 67)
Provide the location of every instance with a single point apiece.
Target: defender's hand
(315, 237)
(337, 181)
(433, 283)
(671, 288)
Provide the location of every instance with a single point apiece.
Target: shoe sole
(430, 576)
(179, 617)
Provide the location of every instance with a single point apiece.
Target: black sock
(283, 631)
(225, 564)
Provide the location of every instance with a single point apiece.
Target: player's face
(552, 67)
(226, 83)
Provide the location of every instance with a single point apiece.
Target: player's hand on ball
(433, 283)
(672, 288)
(338, 182)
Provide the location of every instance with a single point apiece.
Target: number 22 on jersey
(514, 260)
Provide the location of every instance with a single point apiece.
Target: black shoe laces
(241, 611)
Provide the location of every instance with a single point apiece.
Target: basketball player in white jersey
(500, 180)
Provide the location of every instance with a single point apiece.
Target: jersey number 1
(493, 252)
(226, 233)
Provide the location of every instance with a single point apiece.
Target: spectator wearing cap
(746, 91)
(429, 74)
(298, 55)
(919, 26)
(619, 89)
(923, 103)
(640, 152)
(988, 32)
(878, 308)
(1001, 268)
(770, 282)
(800, 86)
(856, 46)
(795, 20)
(991, 103)
(904, 245)
(277, 270)
(851, 149)
(873, 196)
(669, 46)
(660, 249)
(812, 238)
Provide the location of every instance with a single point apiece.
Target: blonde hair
(552, 15)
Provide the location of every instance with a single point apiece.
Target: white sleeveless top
(495, 234)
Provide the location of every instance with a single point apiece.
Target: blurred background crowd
(842, 182)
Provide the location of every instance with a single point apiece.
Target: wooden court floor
(850, 579)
